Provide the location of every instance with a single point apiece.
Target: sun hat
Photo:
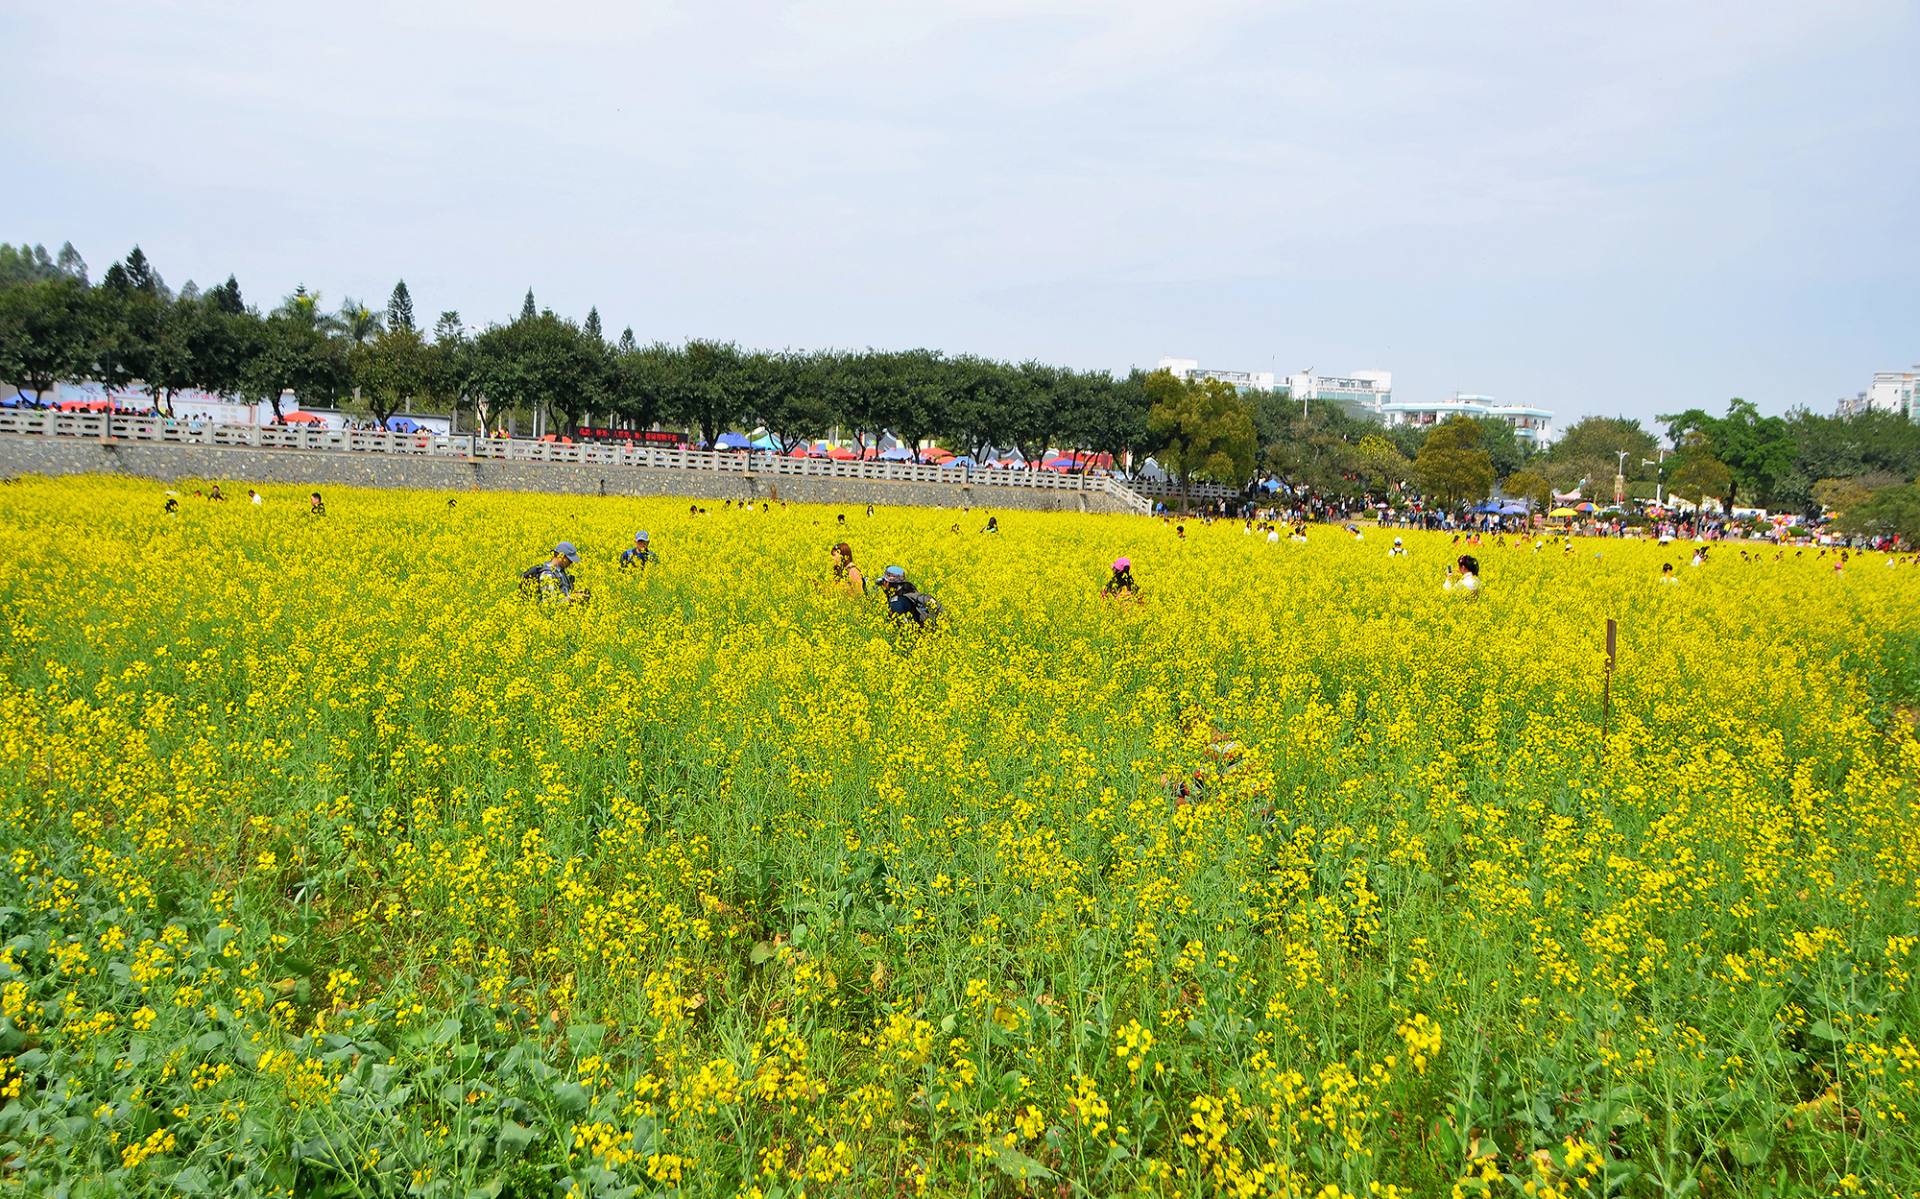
(894, 572)
(640, 536)
(566, 550)
(1122, 563)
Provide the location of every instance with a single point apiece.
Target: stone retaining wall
(172, 463)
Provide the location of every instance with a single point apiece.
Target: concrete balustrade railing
(473, 447)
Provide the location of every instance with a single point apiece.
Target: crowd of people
(553, 578)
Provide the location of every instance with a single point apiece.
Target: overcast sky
(1623, 207)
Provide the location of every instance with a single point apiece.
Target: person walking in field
(1121, 585)
(553, 579)
(845, 573)
(907, 602)
(638, 554)
(315, 505)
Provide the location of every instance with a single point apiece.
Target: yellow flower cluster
(333, 857)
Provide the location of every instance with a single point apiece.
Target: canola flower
(335, 866)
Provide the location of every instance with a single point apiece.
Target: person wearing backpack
(553, 579)
(906, 601)
(1121, 585)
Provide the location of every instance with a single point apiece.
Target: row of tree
(56, 325)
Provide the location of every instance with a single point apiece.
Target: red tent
(842, 454)
(302, 418)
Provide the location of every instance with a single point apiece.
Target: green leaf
(1015, 1164)
(1750, 1146)
(762, 953)
(192, 1181)
(571, 1098)
(515, 1138)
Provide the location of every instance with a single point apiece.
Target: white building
(1529, 423)
(1190, 368)
(1891, 391)
(1362, 393)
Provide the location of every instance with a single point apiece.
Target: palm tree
(303, 309)
(358, 323)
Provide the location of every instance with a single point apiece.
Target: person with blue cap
(553, 579)
(907, 602)
(639, 554)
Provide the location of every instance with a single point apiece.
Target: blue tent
(1512, 509)
(962, 460)
(1489, 506)
(766, 442)
(898, 453)
(401, 424)
(731, 441)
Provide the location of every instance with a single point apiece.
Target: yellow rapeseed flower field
(337, 865)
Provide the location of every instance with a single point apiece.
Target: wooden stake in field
(1606, 688)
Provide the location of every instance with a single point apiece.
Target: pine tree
(592, 327)
(627, 344)
(226, 297)
(527, 312)
(140, 273)
(71, 264)
(400, 308)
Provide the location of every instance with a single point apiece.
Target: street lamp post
(1658, 467)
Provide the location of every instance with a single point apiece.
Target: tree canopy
(56, 326)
